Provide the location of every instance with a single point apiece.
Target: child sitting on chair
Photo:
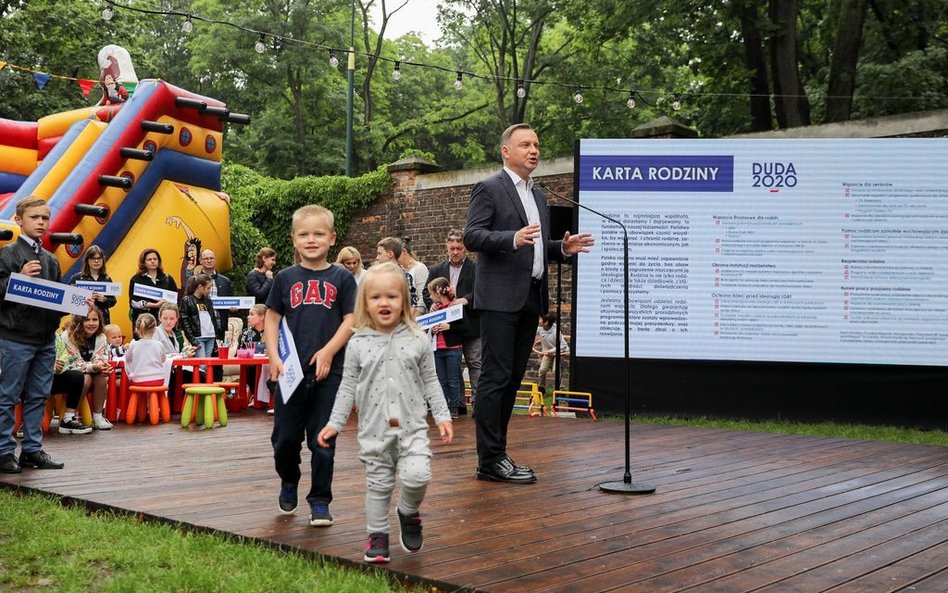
(252, 339)
(115, 340)
(145, 357)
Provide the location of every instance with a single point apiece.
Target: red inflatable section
(21, 134)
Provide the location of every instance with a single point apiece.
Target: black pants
(506, 342)
(70, 384)
(305, 415)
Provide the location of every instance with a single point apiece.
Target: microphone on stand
(626, 486)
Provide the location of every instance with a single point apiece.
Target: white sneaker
(101, 423)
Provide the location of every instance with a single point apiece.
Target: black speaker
(561, 220)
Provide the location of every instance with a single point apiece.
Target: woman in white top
(418, 270)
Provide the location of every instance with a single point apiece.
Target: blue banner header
(678, 173)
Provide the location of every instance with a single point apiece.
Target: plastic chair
(157, 407)
(55, 407)
(202, 401)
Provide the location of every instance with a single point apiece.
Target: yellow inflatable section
(161, 226)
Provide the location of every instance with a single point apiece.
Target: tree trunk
(842, 79)
(793, 107)
(756, 63)
(295, 84)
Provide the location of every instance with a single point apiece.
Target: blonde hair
(260, 309)
(146, 324)
(313, 210)
(169, 307)
(112, 328)
(350, 252)
(362, 317)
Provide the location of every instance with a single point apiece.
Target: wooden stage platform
(733, 512)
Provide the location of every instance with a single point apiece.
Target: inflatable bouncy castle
(125, 175)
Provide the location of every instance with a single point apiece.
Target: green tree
(289, 89)
(53, 38)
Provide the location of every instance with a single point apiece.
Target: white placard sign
(292, 374)
(106, 288)
(232, 302)
(46, 294)
(443, 316)
(144, 291)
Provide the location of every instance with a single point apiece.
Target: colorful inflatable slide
(144, 173)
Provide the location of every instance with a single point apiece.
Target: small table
(242, 401)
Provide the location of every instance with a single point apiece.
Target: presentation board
(792, 250)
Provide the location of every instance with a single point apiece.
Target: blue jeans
(205, 347)
(448, 367)
(27, 371)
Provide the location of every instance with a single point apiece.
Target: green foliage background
(262, 208)
(693, 49)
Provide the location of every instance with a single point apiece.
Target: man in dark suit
(458, 270)
(508, 225)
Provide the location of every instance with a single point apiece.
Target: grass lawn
(54, 548)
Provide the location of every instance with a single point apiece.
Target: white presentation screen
(766, 250)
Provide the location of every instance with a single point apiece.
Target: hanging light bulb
(521, 92)
(187, 26)
(107, 13)
(333, 60)
(676, 104)
(578, 97)
(458, 83)
(631, 102)
(260, 46)
(397, 72)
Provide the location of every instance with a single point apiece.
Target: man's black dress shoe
(520, 468)
(504, 471)
(39, 460)
(9, 465)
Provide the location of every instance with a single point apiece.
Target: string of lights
(633, 95)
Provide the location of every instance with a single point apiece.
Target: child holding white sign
(27, 341)
(316, 299)
(93, 270)
(447, 339)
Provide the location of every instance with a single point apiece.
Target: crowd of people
(357, 342)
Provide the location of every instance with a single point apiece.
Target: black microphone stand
(626, 486)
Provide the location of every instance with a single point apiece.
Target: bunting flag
(41, 79)
(86, 86)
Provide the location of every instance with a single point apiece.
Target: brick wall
(425, 202)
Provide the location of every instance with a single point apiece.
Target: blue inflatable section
(168, 165)
(9, 182)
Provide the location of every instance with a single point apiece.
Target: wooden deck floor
(733, 512)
